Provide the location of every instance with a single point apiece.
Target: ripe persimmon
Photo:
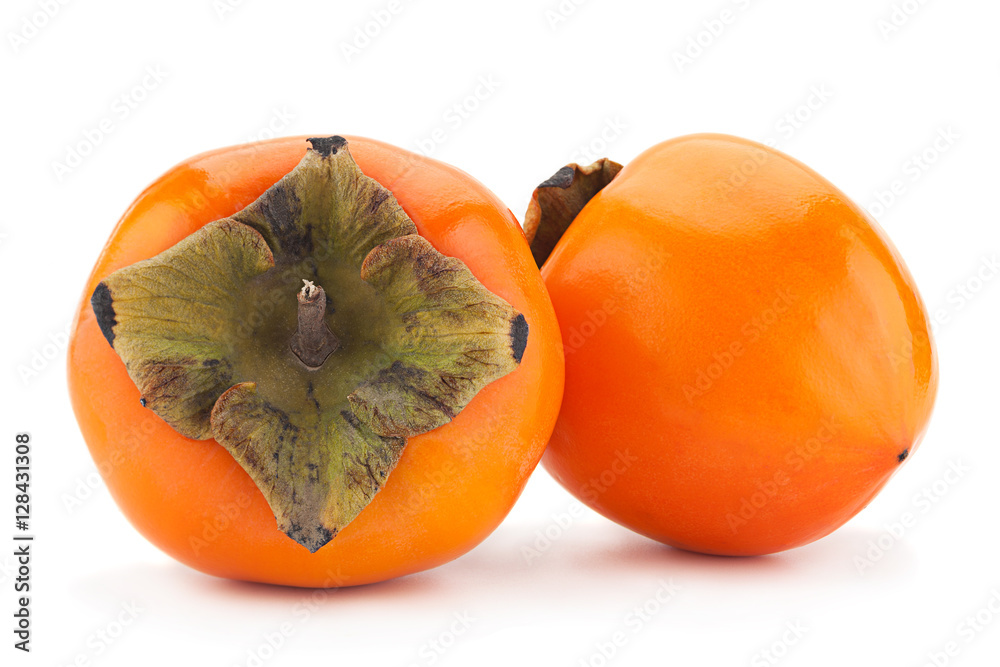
(295, 368)
(747, 358)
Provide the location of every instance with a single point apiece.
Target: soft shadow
(634, 553)
(409, 586)
(588, 553)
(603, 552)
(167, 581)
(835, 556)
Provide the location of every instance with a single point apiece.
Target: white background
(601, 78)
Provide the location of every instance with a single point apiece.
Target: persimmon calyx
(557, 201)
(313, 389)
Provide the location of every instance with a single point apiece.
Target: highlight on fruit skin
(343, 362)
(748, 360)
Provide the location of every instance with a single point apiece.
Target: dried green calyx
(310, 334)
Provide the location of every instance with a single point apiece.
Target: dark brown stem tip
(313, 342)
(327, 146)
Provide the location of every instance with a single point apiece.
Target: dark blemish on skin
(561, 179)
(142, 402)
(104, 311)
(903, 454)
(327, 146)
(518, 337)
(210, 363)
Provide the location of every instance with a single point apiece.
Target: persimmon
(748, 360)
(319, 363)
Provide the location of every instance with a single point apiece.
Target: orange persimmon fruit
(315, 365)
(747, 358)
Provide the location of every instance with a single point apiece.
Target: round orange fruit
(256, 427)
(748, 361)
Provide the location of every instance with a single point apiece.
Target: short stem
(313, 341)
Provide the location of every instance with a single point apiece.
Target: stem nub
(313, 342)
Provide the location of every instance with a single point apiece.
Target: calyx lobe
(557, 201)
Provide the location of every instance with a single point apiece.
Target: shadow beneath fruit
(586, 561)
(854, 552)
(394, 588)
(173, 581)
(614, 549)
(601, 553)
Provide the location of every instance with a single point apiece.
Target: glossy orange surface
(452, 486)
(747, 358)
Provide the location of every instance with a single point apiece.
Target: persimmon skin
(453, 485)
(748, 360)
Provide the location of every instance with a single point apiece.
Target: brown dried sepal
(557, 201)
